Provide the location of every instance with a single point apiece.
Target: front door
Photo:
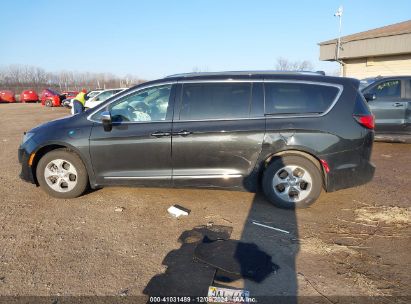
(138, 148)
(389, 107)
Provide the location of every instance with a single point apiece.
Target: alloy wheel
(60, 175)
(292, 183)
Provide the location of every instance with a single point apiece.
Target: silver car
(389, 99)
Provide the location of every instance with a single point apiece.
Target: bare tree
(284, 64)
(21, 77)
(14, 73)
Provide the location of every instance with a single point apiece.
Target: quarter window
(387, 89)
(215, 101)
(298, 98)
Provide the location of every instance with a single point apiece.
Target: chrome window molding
(303, 115)
(223, 176)
(138, 177)
(273, 115)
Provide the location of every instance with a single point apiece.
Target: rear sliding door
(215, 140)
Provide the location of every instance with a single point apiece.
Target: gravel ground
(352, 242)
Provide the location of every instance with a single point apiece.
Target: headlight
(27, 136)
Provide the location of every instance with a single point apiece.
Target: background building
(382, 51)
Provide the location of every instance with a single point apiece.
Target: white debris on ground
(178, 211)
(119, 209)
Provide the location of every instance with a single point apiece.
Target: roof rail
(245, 73)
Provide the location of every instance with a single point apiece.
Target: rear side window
(215, 101)
(298, 98)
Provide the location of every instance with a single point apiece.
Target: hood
(58, 123)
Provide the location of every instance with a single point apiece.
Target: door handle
(183, 133)
(160, 134)
(398, 104)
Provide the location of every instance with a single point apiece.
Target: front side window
(149, 104)
(387, 89)
(215, 101)
(298, 98)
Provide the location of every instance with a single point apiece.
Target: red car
(50, 98)
(69, 94)
(7, 96)
(29, 96)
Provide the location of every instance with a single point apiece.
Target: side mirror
(97, 99)
(106, 120)
(369, 97)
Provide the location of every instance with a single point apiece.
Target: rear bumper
(350, 177)
(26, 173)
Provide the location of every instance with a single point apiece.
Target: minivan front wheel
(62, 174)
(292, 182)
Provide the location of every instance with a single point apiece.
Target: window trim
(178, 102)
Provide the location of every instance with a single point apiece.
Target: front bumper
(26, 173)
(350, 177)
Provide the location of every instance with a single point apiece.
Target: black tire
(49, 103)
(73, 159)
(313, 189)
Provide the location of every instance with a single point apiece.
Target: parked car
(69, 94)
(51, 98)
(390, 101)
(67, 97)
(7, 96)
(69, 102)
(97, 99)
(29, 96)
(292, 134)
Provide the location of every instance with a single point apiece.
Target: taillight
(367, 121)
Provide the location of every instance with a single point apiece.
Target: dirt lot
(352, 242)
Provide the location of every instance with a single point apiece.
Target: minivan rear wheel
(62, 174)
(292, 182)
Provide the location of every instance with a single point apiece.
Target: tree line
(23, 77)
(18, 77)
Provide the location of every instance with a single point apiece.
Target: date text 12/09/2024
(208, 299)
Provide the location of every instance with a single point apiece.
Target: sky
(152, 39)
